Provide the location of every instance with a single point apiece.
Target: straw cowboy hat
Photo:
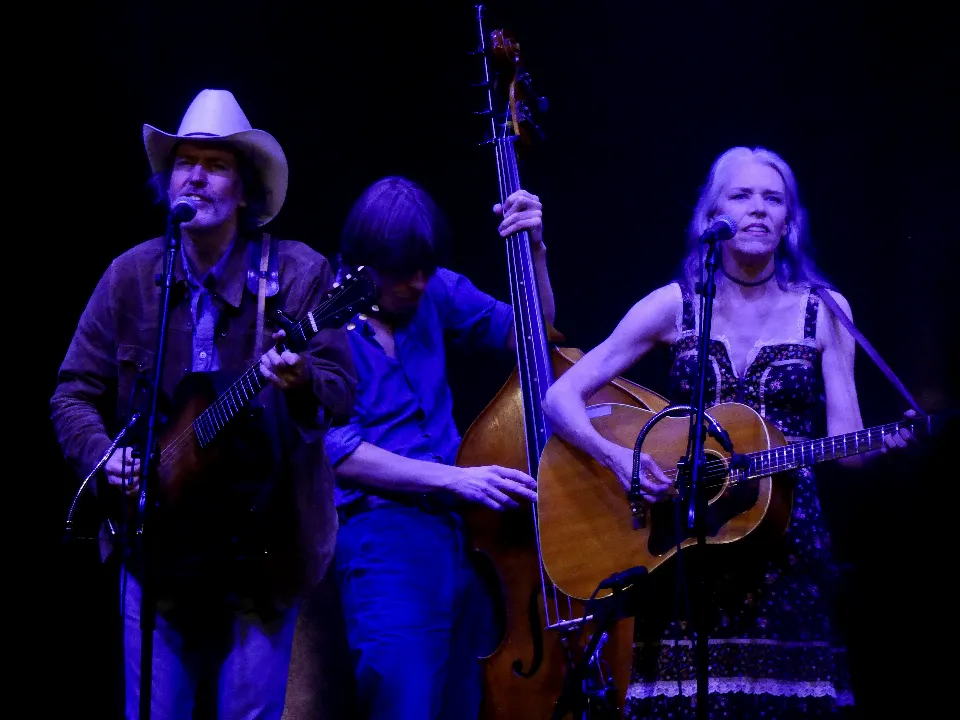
(215, 115)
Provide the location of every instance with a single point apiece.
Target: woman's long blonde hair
(793, 259)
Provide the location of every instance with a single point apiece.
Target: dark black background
(860, 98)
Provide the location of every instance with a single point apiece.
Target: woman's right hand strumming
(654, 484)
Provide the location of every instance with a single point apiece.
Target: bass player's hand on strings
(522, 211)
(491, 485)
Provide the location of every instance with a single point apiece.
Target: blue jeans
(417, 615)
(241, 660)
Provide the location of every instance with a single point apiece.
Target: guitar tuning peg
(336, 285)
(349, 276)
(374, 308)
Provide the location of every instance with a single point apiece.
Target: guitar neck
(357, 292)
(228, 405)
(811, 452)
(238, 396)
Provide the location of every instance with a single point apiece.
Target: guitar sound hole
(668, 520)
(714, 476)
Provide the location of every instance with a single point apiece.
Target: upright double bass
(542, 629)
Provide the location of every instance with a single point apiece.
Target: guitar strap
(874, 355)
(261, 295)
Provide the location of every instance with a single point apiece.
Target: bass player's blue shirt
(404, 404)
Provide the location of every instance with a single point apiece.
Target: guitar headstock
(357, 291)
(511, 101)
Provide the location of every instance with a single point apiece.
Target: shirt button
(203, 354)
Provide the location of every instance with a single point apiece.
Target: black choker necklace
(744, 283)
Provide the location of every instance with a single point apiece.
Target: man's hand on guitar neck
(285, 369)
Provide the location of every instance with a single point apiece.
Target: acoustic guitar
(588, 531)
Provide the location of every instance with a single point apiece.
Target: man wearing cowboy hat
(249, 534)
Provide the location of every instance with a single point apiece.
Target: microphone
(183, 210)
(723, 228)
(718, 433)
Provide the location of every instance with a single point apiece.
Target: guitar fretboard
(238, 396)
(811, 452)
(226, 407)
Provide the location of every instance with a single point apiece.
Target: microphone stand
(695, 517)
(148, 477)
(597, 700)
(696, 501)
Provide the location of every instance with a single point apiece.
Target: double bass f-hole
(536, 637)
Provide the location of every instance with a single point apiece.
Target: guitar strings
(721, 469)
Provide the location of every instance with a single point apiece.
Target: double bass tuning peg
(523, 79)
